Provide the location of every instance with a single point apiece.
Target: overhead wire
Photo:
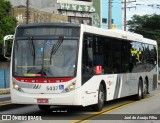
(148, 3)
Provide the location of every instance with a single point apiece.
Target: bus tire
(140, 91)
(44, 107)
(101, 99)
(145, 89)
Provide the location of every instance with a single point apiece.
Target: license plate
(42, 100)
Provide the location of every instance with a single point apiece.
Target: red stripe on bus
(42, 80)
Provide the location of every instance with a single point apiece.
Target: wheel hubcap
(140, 91)
(145, 88)
(101, 97)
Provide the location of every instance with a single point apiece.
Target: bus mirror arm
(7, 37)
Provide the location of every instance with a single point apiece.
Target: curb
(4, 91)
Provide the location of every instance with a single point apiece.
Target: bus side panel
(130, 82)
(124, 85)
(90, 91)
(91, 87)
(117, 85)
(153, 79)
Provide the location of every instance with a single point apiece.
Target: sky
(143, 7)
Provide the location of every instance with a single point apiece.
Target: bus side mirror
(5, 45)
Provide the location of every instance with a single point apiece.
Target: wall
(37, 16)
(80, 11)
(42, 5)
(78, 2)
(98, 14)
(77, 11)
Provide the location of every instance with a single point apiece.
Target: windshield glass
(45, 58)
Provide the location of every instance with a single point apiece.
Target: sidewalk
(5, 95)
(4, 91)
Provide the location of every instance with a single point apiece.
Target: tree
(7, 22)
(146, 25)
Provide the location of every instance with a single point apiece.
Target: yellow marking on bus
(26, 74)
(108, 110)
(5, 103)
(137, 53)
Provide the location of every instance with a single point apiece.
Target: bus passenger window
(87, 59)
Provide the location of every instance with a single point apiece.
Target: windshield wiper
(56, 46)
(32, 49)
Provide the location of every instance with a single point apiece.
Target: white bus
(79, 65)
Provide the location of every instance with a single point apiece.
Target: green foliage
(7, 23)
(146, 25)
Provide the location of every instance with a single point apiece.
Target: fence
(4, 75)
(4, 79)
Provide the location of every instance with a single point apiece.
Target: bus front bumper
(69, 98)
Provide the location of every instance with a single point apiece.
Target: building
(90, 12)
(77, 11)
(117, 14)
(36, 16)
(97, 15)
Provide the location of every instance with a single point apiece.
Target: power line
(148, 4)
(152, 2)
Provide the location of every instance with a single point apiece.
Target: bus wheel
(101, 99)
(44, 107)
(140, 91)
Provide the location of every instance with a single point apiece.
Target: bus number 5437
(51, 88)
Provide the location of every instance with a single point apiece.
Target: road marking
(99, 113)
(110, 109)
(5, 103)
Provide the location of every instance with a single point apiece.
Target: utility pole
(109, 14)
(125, 12)
(125, 15)
(27, 12)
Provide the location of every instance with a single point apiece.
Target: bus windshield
(45, 58)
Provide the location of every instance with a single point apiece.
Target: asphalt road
(125, 110)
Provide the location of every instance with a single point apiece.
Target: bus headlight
(15, 86)
(69, 87)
